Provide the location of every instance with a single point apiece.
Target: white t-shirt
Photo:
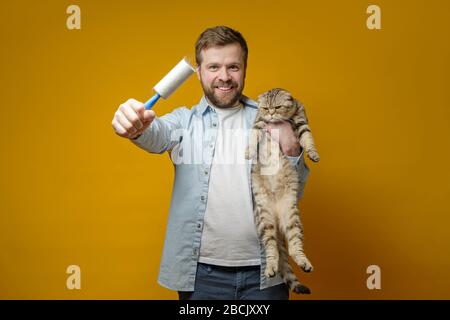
(229, 235)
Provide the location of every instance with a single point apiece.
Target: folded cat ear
(260, 97)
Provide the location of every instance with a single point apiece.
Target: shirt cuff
(142, 138)
(295, 160)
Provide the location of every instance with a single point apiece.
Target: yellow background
(72, 192)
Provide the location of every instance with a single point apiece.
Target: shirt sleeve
(302, 171)
(160, 135)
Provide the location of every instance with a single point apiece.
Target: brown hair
(219, 36)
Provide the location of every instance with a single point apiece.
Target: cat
(275, 192)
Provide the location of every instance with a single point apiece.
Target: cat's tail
(288, 274)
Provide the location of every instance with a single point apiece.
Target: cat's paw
(303, 263)
(306, 265)
(313, 155)
(271, 269)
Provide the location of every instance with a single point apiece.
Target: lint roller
(171, 82)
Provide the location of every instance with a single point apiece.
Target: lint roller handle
(151, 102)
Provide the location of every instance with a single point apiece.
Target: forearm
(161, 135)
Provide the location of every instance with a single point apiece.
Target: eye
(234, 68)
(212, 68)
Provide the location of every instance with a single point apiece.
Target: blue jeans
(231, 283)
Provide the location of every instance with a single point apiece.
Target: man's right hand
(131, 119)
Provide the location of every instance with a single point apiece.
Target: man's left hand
(282, 133)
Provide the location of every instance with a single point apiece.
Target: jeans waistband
(230, 269)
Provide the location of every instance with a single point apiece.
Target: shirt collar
(204, 106)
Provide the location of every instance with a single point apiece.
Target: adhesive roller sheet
(175, 78)
(170, 82)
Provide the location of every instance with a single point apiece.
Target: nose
(224, 75)
(271, 111)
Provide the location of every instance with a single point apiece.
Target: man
(211, 249)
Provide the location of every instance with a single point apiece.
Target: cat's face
(276, 105)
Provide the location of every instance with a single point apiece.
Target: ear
(260, 97)
(197, 70)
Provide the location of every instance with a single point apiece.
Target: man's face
(222, 74)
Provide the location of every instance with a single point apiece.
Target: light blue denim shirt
(190, 190)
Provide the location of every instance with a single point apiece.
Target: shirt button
(199, 225)
(202, 198)
(214, 124)
(206, 172)
(195, 251)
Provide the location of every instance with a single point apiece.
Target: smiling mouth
(225, 89)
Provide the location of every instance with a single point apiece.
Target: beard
(223, 99)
